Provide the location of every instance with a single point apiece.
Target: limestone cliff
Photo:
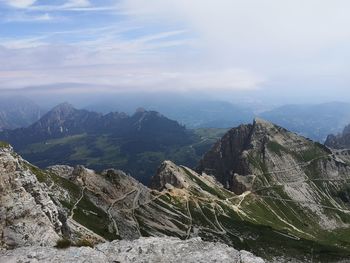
(339, 141)
(28, 215)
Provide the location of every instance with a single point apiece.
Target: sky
(290, 50)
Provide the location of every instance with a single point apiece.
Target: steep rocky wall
(28, 216)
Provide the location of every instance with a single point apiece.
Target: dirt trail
(223, 231)
(305, 202)
(111, 206)
(190, 217)
(76, 203)
(134, 203)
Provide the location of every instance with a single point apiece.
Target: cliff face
(226, 155)
(268, 154)
(28, 215)
(285, 172)
(339, 141)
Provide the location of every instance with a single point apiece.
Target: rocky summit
(261, 189)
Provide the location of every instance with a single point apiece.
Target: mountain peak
(140, 109)
(259, 121)
(5, 147)
(168, 175)
(249, 149)
(64, 107)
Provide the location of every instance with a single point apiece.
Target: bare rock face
(28, 216)
(339, 141)
(168, 175)
(225, 156)
(160, 250)
(279, 165)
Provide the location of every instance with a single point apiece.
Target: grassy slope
(253, 225)
(217, 214)
(105, 151)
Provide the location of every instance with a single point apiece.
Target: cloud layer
(222, 45)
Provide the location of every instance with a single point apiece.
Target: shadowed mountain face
(18, 112)
(136, 143)
(64, 120)
(266, 149)
(339, 141)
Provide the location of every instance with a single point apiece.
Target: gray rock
(28, 216)
(142, 250)
(168, 175)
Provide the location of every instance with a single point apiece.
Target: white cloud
(19, 3)
(76, 3)
(270, 35)
(181, 44)
(107, 58)
(23, 17)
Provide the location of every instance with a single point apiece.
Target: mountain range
(136, 143)
(191, 112)
(16, 112)
(313, 121)
(260, 188)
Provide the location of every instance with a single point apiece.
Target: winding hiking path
(77, 202)
(111, 206)
(134, 203)
(190, 217)
(305, 202)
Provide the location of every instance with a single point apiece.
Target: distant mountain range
(313, 121)
(193, 113)
(136, 143)
(18, 112)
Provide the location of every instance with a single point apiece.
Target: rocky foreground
(153, 249)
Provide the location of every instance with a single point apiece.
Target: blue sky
(222, 46)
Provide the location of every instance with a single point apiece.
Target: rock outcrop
(168, 176)
(286, 172)
(160, 250)
(339, 141)
(28, 215)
